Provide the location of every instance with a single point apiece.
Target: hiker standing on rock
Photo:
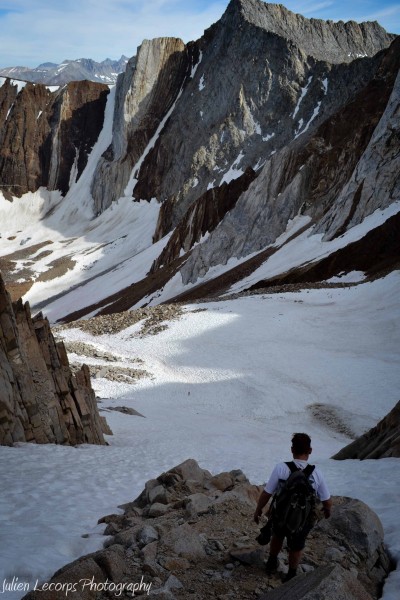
(294, 486)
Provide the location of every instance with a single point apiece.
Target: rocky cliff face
(144, 96)
(189, 532)
(41, 401)
(46, 136)
(278, 78)
(267, 90)
(338, 174)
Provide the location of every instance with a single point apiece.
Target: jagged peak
(331, 41)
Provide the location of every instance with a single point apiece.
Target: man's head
(301, 444)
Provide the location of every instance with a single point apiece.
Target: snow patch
(268, 137)
(313, 116)
(307, 248)
(233, 172)
(351, 277)
(20, 84)
(194, 68)
(303, 93)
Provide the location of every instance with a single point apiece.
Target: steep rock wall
(251, 91)
(40, 400)
(145, 94)
(318, 174)
(335, 42)
(46, 136)
(202, 217)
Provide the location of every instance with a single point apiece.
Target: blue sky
(36, 31)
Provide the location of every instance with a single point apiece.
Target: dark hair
(301, 443)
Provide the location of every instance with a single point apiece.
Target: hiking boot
(271, 566)
(289, 575)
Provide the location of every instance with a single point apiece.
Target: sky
(37, 31)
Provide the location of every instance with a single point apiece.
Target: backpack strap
(307, 471)
(292, 466)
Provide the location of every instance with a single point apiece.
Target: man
(301, 450)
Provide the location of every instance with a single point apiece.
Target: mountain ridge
(276, 18)
(183, 126)
(79, 69)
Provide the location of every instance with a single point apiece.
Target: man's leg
(296, 545)
(276, 545)
(274, 548)
(294, 558)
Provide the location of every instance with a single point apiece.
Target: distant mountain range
(69, 70)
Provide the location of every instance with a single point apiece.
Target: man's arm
(327, 507)
(262, 501)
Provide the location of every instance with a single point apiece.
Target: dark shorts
(295, 541)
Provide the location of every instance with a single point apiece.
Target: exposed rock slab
(329, 583)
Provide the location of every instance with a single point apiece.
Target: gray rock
(158, 494)
(197, 504)
(249, 556)
(158, 510)
(357, 525)
(183, 541)
(146, 535)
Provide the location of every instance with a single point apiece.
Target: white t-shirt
(282, 471)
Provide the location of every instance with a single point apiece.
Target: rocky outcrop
(41, 401)
(381, 441)
(46, 136)
(189, 532)
(375, 183)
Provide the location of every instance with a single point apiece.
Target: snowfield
(230, 382)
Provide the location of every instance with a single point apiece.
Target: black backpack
(294, 503)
